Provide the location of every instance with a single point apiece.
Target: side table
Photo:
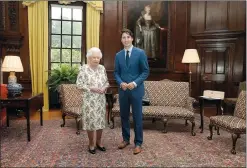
(29, 103)
(202, 99)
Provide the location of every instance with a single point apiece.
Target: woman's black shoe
(92, 151)
(101, 148)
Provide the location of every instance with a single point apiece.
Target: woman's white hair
(93, 49)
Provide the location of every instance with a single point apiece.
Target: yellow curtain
(38, 48)
(97, 5)
(93, 23)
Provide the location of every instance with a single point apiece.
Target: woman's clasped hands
(98, 90)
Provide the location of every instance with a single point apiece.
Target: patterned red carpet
(53, 146)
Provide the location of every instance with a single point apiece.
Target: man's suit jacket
(137, 71)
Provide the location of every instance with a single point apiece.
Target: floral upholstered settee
(168, 100)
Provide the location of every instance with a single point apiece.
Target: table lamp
(190, 56)
(12, 64)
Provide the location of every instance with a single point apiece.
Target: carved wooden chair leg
(218, 130)
(193, 127)
(211, 131)
(234, 140)
(77, 126)
(165, 120)
(186, 122)
(153, 120)
(63, 116)
(112, 125)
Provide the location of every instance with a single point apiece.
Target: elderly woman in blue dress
(93, 80)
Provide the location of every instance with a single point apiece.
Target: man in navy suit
(131, 69)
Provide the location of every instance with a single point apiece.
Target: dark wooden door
(215, 66)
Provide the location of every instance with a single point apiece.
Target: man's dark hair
(127, 31)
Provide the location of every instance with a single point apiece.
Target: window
(66, 44)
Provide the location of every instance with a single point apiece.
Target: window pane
(66, 27)
(77, 14)
(66, 41)
(66, 55)
(55, 55)
(55, 12)
(77, 28)
(55, 65)
(55, 41)
(56, 27)
(66, 13)
(76, 41)
(76, 65)
(76, 55)
(67, 64)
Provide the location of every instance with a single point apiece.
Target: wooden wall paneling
(216, 15)
(180, 34)
(2, 16)
(10, 37)
(172, 49)
(13, 15)
(111, 41)
(112, 24)
(197, 16)
(239, 64)
(24, 77)
(237, 15)
(101, 35)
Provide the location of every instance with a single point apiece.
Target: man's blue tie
(127, 58)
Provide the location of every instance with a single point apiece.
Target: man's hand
(131, 86)
(124, 85)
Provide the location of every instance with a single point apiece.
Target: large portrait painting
(149, 21)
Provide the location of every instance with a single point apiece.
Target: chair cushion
(168, 112)
(230, 123)
(161, 111)
(73, 111)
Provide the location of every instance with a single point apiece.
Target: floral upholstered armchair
(235, 124)
(71, 101)
(231, 102)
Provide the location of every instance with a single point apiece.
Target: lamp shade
(12, 63)
(190, 56)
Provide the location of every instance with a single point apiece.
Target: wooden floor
(55, 114)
